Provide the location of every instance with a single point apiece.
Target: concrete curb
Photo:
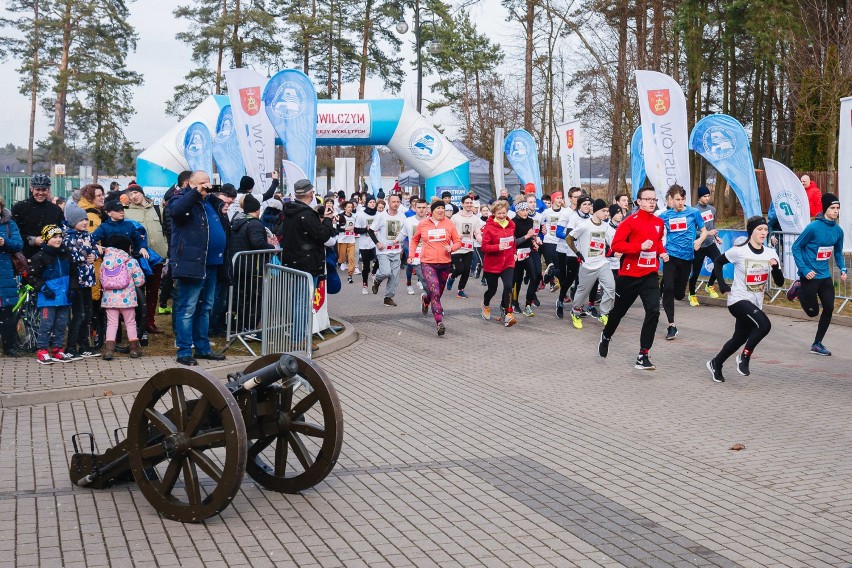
(778, 311)
(131, 386)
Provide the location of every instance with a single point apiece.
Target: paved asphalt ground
(490, 446)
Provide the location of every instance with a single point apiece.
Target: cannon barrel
(284, 368)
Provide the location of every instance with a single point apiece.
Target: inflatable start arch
(394, 123)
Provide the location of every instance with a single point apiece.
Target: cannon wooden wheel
(299, 449)
(187, 444)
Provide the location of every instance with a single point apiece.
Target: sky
(163, 61)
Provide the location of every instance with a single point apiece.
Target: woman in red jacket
(498, 261)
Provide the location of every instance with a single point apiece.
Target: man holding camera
(305, 233)
(200, 233)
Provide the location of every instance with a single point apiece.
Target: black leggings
(461, 267)
(531, 267)
(627, 289)
(7, 328)
(493, 278)
(81, 316)
(368, 257)
(821, 289)
(568, 267)
(711, 252)
(675, 275)
(751, 327)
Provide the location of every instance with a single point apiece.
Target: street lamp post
(401, 28)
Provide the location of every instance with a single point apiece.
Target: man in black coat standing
(34, 214)
(305, 232)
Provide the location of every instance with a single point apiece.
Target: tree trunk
(330, 71)
(657, 41)
(237, 48)
(528, 64)
(34, 91)
(59, 106)
(362, 78)
(221, 50)
(617, 139)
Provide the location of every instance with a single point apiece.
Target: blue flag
(723, 142)
(522, 152)
(226, 148)
(198, 147)
(637, 163)
(375, 172)
(291, 105)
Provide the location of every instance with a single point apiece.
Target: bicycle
(26, 316)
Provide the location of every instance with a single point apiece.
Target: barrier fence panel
(287, 310)
(245, 295)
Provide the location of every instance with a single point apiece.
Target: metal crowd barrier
(287, 313)
(783, 243)
(245, 296)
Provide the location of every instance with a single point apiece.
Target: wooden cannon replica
(191, 437)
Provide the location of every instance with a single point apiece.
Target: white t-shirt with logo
(751, 273)
(408, 230)
(569, 219)
(387, 228)
(363, 221)
(467, 228)
(549, 220)
(591, 240)
(347, 235)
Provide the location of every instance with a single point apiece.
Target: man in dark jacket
(248, 234)
(199, 243)
(305, 233)
(34, 214)
(166, 283)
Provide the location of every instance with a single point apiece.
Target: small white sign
(59, 170)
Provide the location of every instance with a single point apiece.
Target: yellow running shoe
(486, 312)
(576, 320)
(693, 300)
(712, 291)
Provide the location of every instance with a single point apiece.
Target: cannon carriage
(191, 437)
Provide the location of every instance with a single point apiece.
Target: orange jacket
(434, 237)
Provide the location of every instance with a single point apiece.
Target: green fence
(17, 188)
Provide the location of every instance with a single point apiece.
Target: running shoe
(742, 365)
(59, 355)
(516, 307)
(164, 310)
(528, 312)
(389, 303)
(502, 315)
(509, 320)
(693, 300)
(410, 290)
(349, 280)
(344, 266)
(43, 357)
(461, 294)
(576, 320)
(424, 304)
(483, 282)
(357, 270)
(671, 333)
(486, 312)
(441, 329)
(536, 302)
(376, 284)
(364, 290)
(712, 291)
(603, 319)
(450, 282)
(820, 349)
(603, 346)
(592, 311)
(643, 363)
(716, 371)
(86, 354)
(793, 290)
(560, 309)
(420, 284)
(554, 286)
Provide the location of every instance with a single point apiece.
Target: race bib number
(467, 245)
(523, 253)
(348, 233)
(647, 259)
(757, 275)
(536, 225)
(677, 224)
(824, 253)
(506, 242)
(436, 235)
(551, 228)
(597, 246)
(707, 216)
(393, 246)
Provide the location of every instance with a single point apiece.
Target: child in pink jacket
(118, 268)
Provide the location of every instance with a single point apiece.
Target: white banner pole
(844, 172)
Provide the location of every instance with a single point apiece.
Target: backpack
(115, 277)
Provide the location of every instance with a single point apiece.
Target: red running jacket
(494, 260)
(628, 239)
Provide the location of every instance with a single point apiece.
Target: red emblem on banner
(570, 136)
(250, 99)
(319, 296)
(659, 101)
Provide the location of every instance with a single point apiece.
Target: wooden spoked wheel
(187, 444)
(301, 448)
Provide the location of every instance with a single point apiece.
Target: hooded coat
(12, 242)
(303, 238)
(247, 233)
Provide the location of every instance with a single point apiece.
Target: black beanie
(614, 209)
(828, 199)
(250, 204)
(582, 199)
(597, 205)
(436, 204)
(246, 184)
(753, 223)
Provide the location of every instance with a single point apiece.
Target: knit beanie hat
(828, 199)
(583, 199)
(614, 210)
(753, 223)
(702, 191)
(529, 188)
(250, 204)
(598, 204)
(437, 204)
(50, 231)
(135, 187)
(73, 214)
(246, 184)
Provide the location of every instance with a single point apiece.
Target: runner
(550, 220)
(366, 246)
(346, 239)
(682, 224)
(421, 211)
(752, 264)
(527, 242)
(535, 254)
(385, 232)
(498, 261)
(566, 271)
(821, 239)
(640, 239)
(709, 248)
(615, 218)
(590, 241)
(468, 226)
(439, 238)
(476, 264)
